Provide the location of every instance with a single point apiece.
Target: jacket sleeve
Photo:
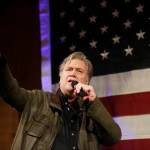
(10, 91)
(107, 129)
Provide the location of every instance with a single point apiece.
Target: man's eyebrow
(75, 68)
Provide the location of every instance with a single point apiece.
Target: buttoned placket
(73, 127)
(72, 121)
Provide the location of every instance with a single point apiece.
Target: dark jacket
(41, 118)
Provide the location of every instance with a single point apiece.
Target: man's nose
(73, 72)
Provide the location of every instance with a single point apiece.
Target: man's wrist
(3, 60)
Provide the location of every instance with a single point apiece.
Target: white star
(104, 55)
(72, 24)
(128, 24)
(127, 1)
(62, 14)
(82, 33)
(71, 1)
(93, 44)
(82, 9)
(103, 4)
(140, 35)
(139, 8)
(128, 50)
(72, 48)
(63, 39)
(93, 19)
(104, 29)
(115, 13)
(116, 39)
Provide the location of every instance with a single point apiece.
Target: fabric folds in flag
(115, 36)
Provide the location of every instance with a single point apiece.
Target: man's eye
(68, 69)
(80, 71)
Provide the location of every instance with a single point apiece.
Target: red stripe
(142, 144)
(125, 105)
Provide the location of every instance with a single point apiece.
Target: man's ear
(60, 74)
(88, 82)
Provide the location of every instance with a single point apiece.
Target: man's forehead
(76, 63)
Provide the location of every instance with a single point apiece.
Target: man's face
(74, 70)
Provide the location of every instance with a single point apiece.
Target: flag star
(93, 44)
(128, 50)
(104, 55)
(82, 9)
(71, 1)
(82, 33)
(139, 8)
(116, 39)
(72, 24)
(140, 35)
(128, 24)
(62, 14)
(104, 29)
(127, 1)
(93, 19)
(63, 39)
(72, 48)
(115, 13)
(103, 4)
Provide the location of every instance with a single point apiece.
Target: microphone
(82, 94)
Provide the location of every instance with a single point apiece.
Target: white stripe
(122, 83)
(134, 127)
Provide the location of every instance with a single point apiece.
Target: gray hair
(80, 56)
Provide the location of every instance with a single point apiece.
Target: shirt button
(73, 147)
(72, 134)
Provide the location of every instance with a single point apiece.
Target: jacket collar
(55, 101)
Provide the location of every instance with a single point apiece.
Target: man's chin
(69, 87)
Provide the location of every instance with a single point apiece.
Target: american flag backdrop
(115, 36)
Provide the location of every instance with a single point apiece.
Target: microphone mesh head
(74, 83)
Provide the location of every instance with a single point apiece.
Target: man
(63, 121)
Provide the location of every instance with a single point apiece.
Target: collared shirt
(67, 138)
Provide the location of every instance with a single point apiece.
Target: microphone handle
(82, 94)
